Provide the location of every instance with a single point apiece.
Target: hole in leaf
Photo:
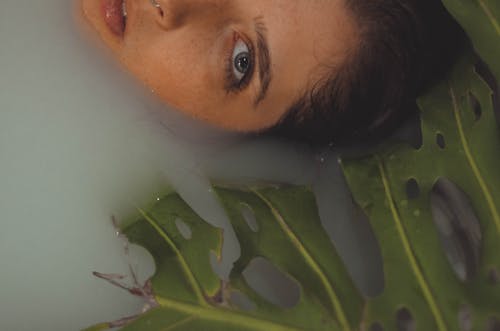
(376, 327)
(271, 283)
(493, 276)
(364, 262)
(417, 138)
(465, 318)
(347, 224)
(410, 132)
(184, 229)
(458, 226)
(249, 217)
(141, 262)
(404, 320)
(476, 106)
(240, 300)
(485, 73)
(493, 324)
(441, 141)
(412, 189)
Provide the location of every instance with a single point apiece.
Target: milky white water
(80, 142)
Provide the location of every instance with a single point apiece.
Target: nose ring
(155, 3)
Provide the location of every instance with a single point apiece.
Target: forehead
(307, 38)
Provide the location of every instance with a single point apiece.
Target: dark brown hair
(404, 46)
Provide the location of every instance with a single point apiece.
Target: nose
(175, 13)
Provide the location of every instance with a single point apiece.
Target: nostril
(171, 14)
(157, 6)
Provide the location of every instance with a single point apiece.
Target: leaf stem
(223, 315)
(337, 306)
(185, 267)
(409, 252)
(475, 169)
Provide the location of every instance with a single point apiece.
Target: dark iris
(242, 62)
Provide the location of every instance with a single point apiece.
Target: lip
(112, 11)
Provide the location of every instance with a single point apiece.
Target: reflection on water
(79, 142)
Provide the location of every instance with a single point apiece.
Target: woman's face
(237, 64)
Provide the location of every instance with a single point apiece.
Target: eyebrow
(264, 56)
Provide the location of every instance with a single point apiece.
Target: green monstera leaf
(399, 186)
(435, 210)
(462, 147)
(287, 232)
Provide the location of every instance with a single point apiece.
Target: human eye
(240, 65)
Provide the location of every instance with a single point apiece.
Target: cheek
(183, 82)
(166, 68)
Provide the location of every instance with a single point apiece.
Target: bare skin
(236, 64)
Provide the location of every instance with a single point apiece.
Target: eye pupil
(242, 62)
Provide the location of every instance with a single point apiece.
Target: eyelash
(232, 83)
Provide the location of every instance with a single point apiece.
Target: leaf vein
(409, 252)
(490, 15)
(214, 314)
(475, 168)
(184, 265)
(337, 306)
